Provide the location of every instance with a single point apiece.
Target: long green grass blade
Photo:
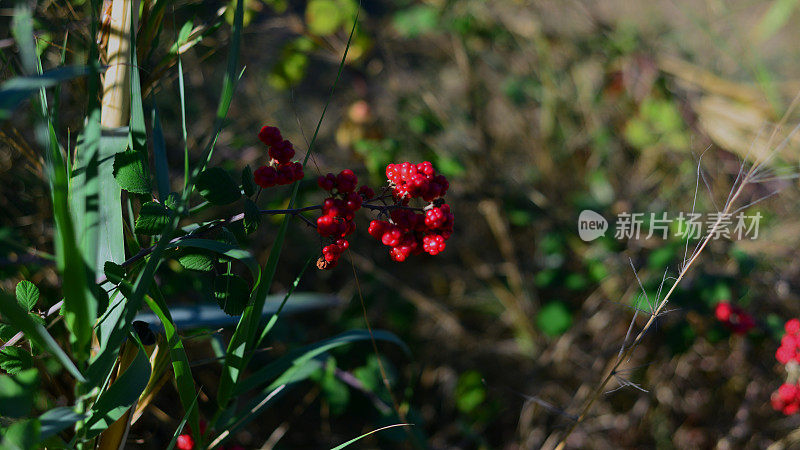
(281, 371)
(179, 429)
(354, 440)
(121, 394)
(14, 91)
(160, 158)
(180, 362)
(58, 419)
(138, 128)
(79, 308)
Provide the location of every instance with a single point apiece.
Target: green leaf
(217, 186)
(34, 331)
(115, 273)
(248, 182)
(470, 391)
(153, 217)
(16, 90)
(336, 393)
(21, 435)
(232, 293)
(16, 393)
(27, 294)
(196, 259)
(57, 420)
(223, 249)
(554, 319)
(323, 17)
(131, 173)
(416, 20)
(15, 359)
(121, 394)
(252, 216)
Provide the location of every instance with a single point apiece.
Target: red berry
(777, 403)
(366, 192)
(326, 183)
(784, 354)
(377, 228)
(185, 442)
(265, 176)
(788, 392)
(391, 237)
(792, 326)
(270, 135)
(723, 311)
(346, 181)
(791, 408)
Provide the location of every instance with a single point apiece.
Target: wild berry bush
(115, 229)
(177, 274)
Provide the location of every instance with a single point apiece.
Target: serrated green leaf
(196, 259)
(153, 217)
(16, 393)
(217, 186)
(252, 216)
(173, 201)
(15, 359)
(34, 331)
(248, 182)
(232, 293)
(27, 294)
(131, 173)
(7, 331)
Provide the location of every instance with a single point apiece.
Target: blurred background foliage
(535, 111)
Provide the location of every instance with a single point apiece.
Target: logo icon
(591, 225)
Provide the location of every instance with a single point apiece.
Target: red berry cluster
(410, 232)
(338, 212)
(281, 169)
(416, 181)
(786, 399)
(734, 318)
(790, 343)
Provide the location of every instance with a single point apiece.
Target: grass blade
(351, 441)
(180, 362)
(79, 308)
(121, 394)
(160, 158)
(284, 367)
